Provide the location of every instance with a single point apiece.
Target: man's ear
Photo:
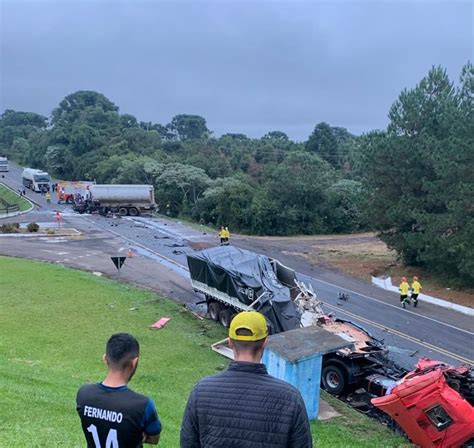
(104, 359)
(134, 362)
(231, 343)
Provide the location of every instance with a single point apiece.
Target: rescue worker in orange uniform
(403, 288)
(415, 290)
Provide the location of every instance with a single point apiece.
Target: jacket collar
(249, 367)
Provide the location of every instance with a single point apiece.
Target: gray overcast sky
(245, 66)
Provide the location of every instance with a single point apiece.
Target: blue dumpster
(295, 356)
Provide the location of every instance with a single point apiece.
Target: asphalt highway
(428, 330)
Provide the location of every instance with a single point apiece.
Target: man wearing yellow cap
(245, 407)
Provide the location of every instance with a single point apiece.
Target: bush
(32, 227)
(10, 228)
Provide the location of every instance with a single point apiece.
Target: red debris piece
(160, 323)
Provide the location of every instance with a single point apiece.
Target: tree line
(413, 182)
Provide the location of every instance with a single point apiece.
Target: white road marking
(322, 281)
(394, 306)
(55, 252)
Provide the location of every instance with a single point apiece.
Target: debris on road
(234, 280)
(433, 404)
(160, 323)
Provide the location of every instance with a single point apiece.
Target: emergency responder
(403, 288)
(48, 197)
(226, 236)
(415, 290)
(222, 236)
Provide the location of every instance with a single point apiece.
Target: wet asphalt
(160, 245)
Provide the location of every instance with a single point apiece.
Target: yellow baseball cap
(252, 321)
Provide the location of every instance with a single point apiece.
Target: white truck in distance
(125, 200)
(36, 180)
(3, 164)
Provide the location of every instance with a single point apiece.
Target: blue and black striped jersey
(115, 416)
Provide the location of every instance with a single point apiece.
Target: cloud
(245, 66)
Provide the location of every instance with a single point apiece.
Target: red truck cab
(433, 405)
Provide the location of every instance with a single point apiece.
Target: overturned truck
(234, 280)
(433, 404)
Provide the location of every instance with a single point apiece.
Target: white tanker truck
(124, 200)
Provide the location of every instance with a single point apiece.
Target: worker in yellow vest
(403, 288)
(48, 197)
(222, 235)
(226, 236)
(415, 290)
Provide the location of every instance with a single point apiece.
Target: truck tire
(333, 379)
(123, 211)
(225, 317)
(133, 211)
(214, 309)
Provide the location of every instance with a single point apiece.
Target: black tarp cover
(246, 276)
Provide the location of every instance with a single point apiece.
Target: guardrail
(6, 208)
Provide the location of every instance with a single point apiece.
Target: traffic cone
(130, 253)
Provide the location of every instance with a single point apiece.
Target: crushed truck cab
(433, 405)
(234, 280)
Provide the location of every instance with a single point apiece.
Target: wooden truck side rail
(222, 297)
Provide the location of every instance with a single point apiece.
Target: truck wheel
(333, 379)
(133, 211)
(225, 317)
(214, 308)
(123, 211)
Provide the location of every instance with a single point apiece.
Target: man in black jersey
(112, 415)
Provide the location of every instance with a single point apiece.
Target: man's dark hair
(251, 347)
(121, 349)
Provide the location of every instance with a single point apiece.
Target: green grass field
(13, 198)
(54, 323)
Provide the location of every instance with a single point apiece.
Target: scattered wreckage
(234, 280)
(433, 404)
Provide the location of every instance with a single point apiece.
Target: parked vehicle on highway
(433, 404)
(124, 200)
(68, 191)
(234, 280)
(36, 180)
(3, 164)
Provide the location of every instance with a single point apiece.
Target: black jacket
(245, 407)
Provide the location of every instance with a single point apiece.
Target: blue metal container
(296, 357)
